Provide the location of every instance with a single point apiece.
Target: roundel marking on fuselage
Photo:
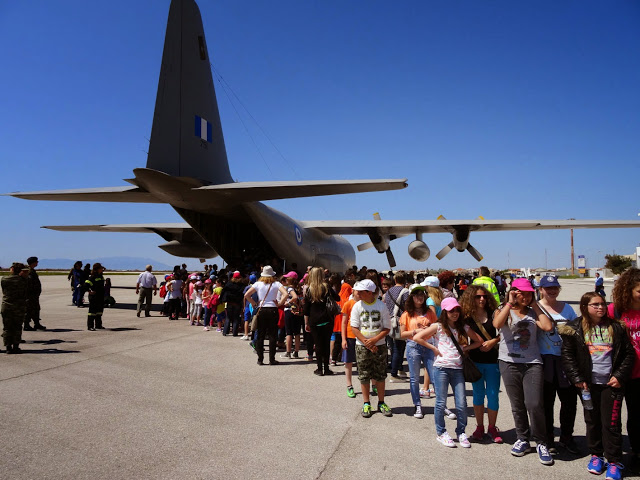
(298, 234)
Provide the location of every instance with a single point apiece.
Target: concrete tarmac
(159, 399)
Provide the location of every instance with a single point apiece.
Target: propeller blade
(440, 217)
(364, 246)
(474, 253)
(390, 258)
(376, 216)
(441, 254)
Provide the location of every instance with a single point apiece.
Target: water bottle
(587, 403)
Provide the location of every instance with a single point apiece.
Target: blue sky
(509, 110)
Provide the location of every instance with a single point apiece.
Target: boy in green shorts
(370, 323)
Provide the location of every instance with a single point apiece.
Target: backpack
(163, 291)
(396, 314)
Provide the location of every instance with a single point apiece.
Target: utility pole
(573, 265)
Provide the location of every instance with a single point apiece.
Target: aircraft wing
(407, 227)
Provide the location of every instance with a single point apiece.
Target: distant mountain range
(110, 263)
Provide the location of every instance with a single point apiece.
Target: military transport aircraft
(187, 168)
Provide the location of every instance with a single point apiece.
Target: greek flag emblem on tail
(203, 129)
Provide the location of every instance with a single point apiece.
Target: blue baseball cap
(549, 281)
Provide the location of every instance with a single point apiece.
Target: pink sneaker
(494, 433)
(478, 434)
(206, 329)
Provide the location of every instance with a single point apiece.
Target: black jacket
(576, 359)
(232, 292)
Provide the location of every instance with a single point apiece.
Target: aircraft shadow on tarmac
(122, 329)
(128, 306)
(48, 350)
(62, 330)
(52, 341)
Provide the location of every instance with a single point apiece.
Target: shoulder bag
(254, 319)
(469, 369)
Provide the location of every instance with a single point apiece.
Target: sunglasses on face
(481, 296)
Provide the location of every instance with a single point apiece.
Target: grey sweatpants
(524, 382)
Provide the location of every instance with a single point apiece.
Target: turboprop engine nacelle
(418, 250)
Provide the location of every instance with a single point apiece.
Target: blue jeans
(417, 355)
(442, 378)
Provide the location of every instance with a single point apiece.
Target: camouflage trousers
(33, 311)
(12, 327)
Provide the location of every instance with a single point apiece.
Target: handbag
(333, 308)
(254, 318)
(470, 372)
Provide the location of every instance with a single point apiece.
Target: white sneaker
(464, 441)
(418, 413)
(402, 373)
(449, 414)
(446, 440)
(244, 337)
(206, 329)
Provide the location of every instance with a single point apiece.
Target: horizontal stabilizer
(241, 192)
(126, 194)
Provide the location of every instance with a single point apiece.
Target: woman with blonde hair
(267, 289)
(316, 318)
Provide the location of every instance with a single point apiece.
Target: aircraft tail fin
(186, 136)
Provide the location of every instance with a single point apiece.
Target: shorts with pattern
(371, 366)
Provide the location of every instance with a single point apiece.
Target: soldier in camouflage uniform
(14, 305)
(95, 286)
(34, 289)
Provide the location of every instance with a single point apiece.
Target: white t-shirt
(272, 298)
(450, 357)
(370, 319)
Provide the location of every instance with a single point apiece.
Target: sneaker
(366, 410)
(286, 355)
(613, 471)
(569, 444)
(402, 373)
(418, 413)
(384, 409)
(253, 347)
(351, 392)
(494, 433)
(449, 414)
(596, 465)
(374, 390)
(244, 337)
(206, 329)
(295, 355)
(520, 448)
(333, 363)
(464, 441)
(318, 372)
(328, 372)
(478, 434)
(423, 393)
(218, 329)
(446, 440)
(544, 455)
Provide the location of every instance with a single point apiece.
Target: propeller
(468, 247)
(364, 246)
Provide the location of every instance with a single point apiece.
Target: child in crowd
(626, 307)
(196, 300)
(206, 298)
(349, 342)
(219, 307)
(598, 357)
(447, 367)
(370, 323)
(520, 365)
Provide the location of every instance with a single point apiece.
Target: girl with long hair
(478, 306)
(518, 321)
(316, 318)
(598, 357)
(416, 318)
(447, 368)
(626, 307)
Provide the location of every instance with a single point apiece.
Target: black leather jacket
(576, 359)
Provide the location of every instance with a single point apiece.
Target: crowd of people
(515, 331)
(451, 330)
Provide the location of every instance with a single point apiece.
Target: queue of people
(539, 349)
